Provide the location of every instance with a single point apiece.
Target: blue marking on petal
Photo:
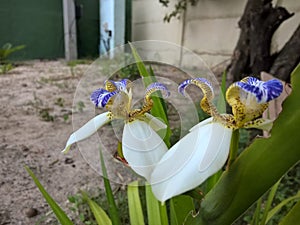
(183, 85)
(157, 87)
(263, 91)
(100, 97)
(274, 88)
(95, 95)
(120, 85)
(251, 80)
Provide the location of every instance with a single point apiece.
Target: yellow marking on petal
(140, 112)
(227, 120)
(206, 102)
(110, 86)
(263, 124)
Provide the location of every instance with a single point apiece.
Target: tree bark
(252, 53)
(288, 58)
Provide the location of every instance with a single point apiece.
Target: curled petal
(193, 159)
(87, 129)
(100, 97)
(249, 98)
(142, 147)
(206, 87)
(157, 87)
(202, 83)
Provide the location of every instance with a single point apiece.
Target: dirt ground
(36, 102)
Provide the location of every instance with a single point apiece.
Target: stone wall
(209, 29)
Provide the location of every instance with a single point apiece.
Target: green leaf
(278, 207)
(156, 214)
(152, 207)
(60, 214)
(134, 204)
(258, 167)
(234, 147)
(163, 214)
(113, 210)
(100, 215)
(256, 215)
(159, 106)
(211, 181)
(269, 203)
(197, 193)
(180, 208)
(221, 103)
(7, 49)
(293, 217)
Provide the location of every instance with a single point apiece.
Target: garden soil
(36, 105)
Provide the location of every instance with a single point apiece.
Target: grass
(82, 209)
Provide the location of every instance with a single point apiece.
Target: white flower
(204, 150)
(141, 146)
(198, 155)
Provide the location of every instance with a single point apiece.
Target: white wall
(210, 28)
(147, 21)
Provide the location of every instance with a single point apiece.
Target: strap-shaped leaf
(293, 217)
(59, 213)
(99, 214)
(113, 210)
(258, 168)
(159, 107)
(134, 204)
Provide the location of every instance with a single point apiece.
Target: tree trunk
(288, 58)
(252, 53)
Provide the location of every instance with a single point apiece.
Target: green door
(87, 28)
(38, 24)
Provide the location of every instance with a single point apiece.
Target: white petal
(192, 160)
(87, 130)
(201, 124)
(142, 147)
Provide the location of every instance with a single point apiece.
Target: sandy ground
(36, 109)
(30, 95)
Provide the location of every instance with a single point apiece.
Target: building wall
(210, 28)
(147, 21)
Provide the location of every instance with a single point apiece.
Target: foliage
(100, 215)
(130, 71)
(284, 199)
(179, 7)
(5, 51)
(60, 214)
(45, 115)
(159, 106)
(81, 208)
(113, 210)
(253, 173)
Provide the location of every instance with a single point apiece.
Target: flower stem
(234, 146)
